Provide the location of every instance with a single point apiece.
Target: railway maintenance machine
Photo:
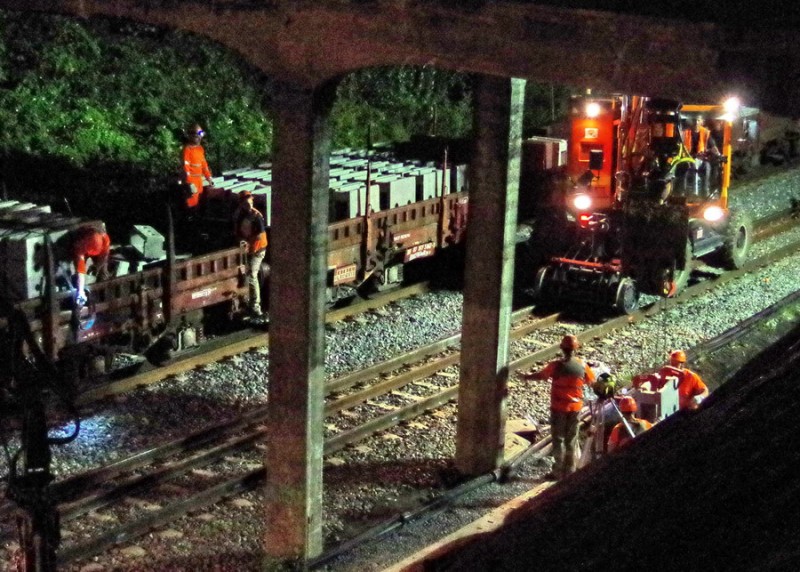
(638, 206)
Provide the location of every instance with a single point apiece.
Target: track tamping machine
(639, 231)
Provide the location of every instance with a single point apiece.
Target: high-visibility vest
(702, 140)
(568, 378)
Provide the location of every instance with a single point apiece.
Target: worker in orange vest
(90, 243)
(630, 427)
(691, 388)
(251, 229)
(697, 138)
(568, 374)
(195, 167)
(701, 145)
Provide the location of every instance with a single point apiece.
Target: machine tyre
(738, 237)
(539, 291)
(627, 297)
(681, 277)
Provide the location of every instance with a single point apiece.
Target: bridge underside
(306, 43)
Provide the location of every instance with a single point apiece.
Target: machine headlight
(713, 213)
(593, 109)
(582, 202)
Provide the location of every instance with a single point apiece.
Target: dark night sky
(778, 13)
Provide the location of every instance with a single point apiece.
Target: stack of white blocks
(393, 182)
(23, 227)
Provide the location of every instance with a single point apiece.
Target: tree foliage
(392, 104)
(94, 110)
(107, 92)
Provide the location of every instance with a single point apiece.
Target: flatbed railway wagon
(157, 295)
(415, 209)
(152, 290)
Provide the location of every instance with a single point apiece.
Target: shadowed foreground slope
(713, 490)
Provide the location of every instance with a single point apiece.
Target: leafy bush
(104, 91)
(92, 111)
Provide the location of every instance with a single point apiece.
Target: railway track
(346, 393)
(143, 374)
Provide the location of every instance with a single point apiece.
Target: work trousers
(703, 179)
(195, 184)
(254, 284)
(564, 431)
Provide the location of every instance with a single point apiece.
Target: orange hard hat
(627, 404)
(570, 342)
(678, 356)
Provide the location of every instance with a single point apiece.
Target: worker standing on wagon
(251, 228)
(195, 167)
(630, 427)
(568, 374)
(90, 243)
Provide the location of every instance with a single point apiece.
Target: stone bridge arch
(309, 42)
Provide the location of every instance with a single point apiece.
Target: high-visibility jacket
(568, 378)
(700, 137)
(250, 227)
(690, 384)
(619, 435)
(90, 243)
(196, 169)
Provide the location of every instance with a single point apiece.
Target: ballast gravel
(395, 470)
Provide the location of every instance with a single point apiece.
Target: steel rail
(339, 441)
(73, 486)
(239, 342)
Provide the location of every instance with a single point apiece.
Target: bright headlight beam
(732, 105)
(582, 202)
(713, 213)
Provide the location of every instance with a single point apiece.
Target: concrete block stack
(425, 180)
(23, 228)
(256, 180)
(394, 182)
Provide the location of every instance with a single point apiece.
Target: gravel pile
(392, 471)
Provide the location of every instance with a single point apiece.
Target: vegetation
(110, 92)
(93, 110)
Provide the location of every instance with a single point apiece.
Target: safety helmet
(678, 356)
(604, 385)
(627, 404)
(195, 130)
(244, 195)
(570, 343)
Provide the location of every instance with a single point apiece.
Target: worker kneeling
(629, 427)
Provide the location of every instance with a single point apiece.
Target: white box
(148, 242)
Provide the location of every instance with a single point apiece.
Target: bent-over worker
(691, 388)
(90, 243)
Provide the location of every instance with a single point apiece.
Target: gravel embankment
(389, 472)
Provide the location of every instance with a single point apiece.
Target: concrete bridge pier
(297, 319)
(489, 273)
